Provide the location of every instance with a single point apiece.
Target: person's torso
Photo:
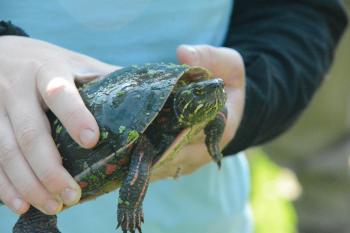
(120, 31)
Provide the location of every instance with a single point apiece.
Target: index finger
(57, 88)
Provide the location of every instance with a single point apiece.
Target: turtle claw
(214, 131)
(219, 164)
(130, 220)
(217, 156)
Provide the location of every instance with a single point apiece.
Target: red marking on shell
(83, 184)
(123, 161)
(110, 168)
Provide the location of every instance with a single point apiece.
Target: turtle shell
(129, 99)
(124, 104)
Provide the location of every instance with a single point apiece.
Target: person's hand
(35, 76)
(228, 65)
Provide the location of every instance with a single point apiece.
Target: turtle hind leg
(34, 221)
(134, 187)
(213, 132)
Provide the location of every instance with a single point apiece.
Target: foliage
(273, 212)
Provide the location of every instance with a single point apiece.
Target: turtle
(146, 114)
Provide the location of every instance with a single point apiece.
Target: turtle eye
(198, 91)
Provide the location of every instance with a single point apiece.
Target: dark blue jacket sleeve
(287, 47)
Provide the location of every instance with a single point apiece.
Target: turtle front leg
(34, 221)
(134, 187)
(214, 131)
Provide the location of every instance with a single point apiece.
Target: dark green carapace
(141, 111)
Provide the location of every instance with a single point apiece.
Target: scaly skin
(34, 221)
(213, 132)
(134, 187)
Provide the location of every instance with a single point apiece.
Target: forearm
(287, 47)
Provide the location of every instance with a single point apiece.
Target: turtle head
(199, 101)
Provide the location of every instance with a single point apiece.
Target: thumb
(222, 62)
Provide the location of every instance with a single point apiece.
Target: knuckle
(211, 55)
(48, 65)
(208, 50)
(43, 65)
(8, 86)
(32, 191)
(54, 88)
(27, 191)
(73, 115)
(12, 78)
(50, 177)
(7, 152)
(27, 137)
(206, 55)
(33, 65)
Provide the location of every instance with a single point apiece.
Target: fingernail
(192, 54)
(87, 136)
(17, 204)
(70, 196)
(52, 207)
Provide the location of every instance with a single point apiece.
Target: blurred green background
(301, 181)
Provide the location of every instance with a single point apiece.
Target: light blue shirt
(126, 32)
